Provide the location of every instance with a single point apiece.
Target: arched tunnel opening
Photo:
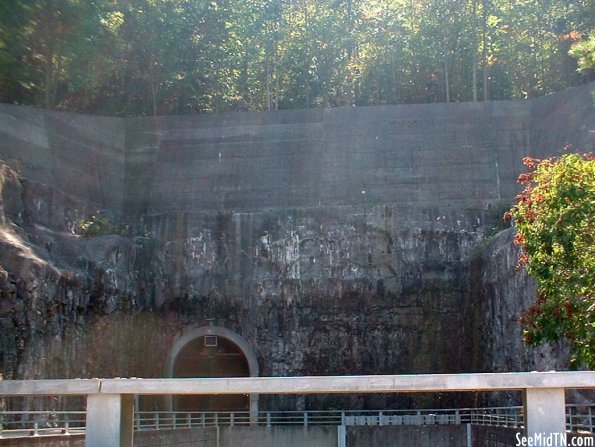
(211, 356)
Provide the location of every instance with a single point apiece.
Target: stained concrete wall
(258, 222)
(74, 161)
(45, 441)
(429, 155)
(406, 155)
(332, 240)
(407, 435)
(562, 120)
(203, 437)
(486, 436)
(386, 436)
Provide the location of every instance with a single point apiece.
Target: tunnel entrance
(211, 356)
(212, 351)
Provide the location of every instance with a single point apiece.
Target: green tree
(555, 225)
(584, 52)
(146, 57)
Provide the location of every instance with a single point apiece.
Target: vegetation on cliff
(555, 224)
(96, 225)
(144, 57)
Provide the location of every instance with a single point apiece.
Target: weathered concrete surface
(487, 436)
(259, 222)
(548, 413)
(408, 435)
(332, 157)
(45, 441)
(78, 387)
(563, 120)
(181, 437)
(393, 436)
(279, 436)
(540, 387)
(76, 160)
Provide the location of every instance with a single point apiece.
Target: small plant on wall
(96, 225)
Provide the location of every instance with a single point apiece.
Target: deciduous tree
(555, 227)
(584, 51)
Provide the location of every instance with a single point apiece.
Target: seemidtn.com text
(554, 440)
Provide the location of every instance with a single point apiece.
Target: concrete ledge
(59, 387)
(304, 385)
(353, 384)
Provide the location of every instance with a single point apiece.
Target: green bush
(95, 226)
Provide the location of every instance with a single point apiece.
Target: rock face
(340, 241)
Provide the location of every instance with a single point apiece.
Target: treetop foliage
(145, 57)
(584, 51)
(555, 225)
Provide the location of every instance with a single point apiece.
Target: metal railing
(500, 416)
(580, 418)
(38, 423)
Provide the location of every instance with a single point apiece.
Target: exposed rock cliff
(503, 293)
(51, 280)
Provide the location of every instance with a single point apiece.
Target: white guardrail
(110, 416)
(579, 418)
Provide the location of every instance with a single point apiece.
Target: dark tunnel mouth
(211, 356)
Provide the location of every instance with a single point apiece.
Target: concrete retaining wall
(407, 436)
(486, 436)
(240, 437)
(409, 154)
(45, 441)
(76, 161)
(312, 158)
(385, 436)
(333, 241)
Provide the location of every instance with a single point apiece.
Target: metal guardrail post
(268, 418)
(341, 436)
(305, 418)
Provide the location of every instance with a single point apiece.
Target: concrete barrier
(110, 408)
